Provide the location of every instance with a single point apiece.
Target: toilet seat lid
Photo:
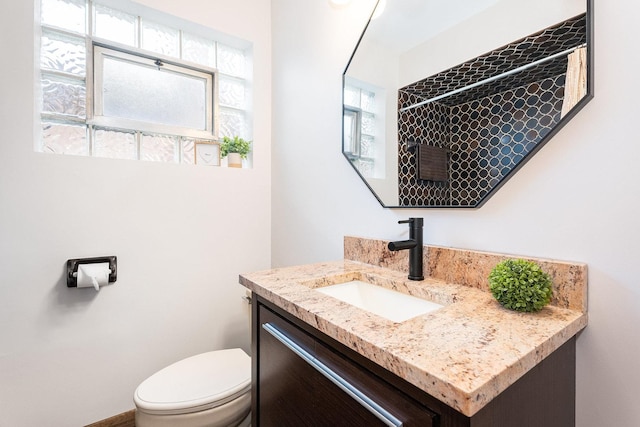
(200, 382)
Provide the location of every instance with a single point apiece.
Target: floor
(126, 419)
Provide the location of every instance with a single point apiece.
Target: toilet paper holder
(72, 268)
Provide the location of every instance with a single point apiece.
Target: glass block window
(64, 53)
(188, 151)
(114, 144)
(119, 27)
(159, 148)
(62, 138)
(119, 85)
(359, 125)
(160, 39)
(65, 14)
(231, 61)
(198, 50)
(63, 97)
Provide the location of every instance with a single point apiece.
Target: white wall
(472, 37)
(577, 199)
(182, 234)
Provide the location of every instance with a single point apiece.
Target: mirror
(444, 101)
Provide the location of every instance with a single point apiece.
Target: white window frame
(354, 148)
(98, 119)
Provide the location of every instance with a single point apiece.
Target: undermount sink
(387, 303)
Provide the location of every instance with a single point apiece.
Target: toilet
(207, 390)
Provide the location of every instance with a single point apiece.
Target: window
(118, 85)
(359, 117)
(352, 125)
(136, 92)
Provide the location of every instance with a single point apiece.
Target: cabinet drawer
(304, 382)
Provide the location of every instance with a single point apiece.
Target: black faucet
(414, 244)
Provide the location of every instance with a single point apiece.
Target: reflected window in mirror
(362, 118)
(352, 120)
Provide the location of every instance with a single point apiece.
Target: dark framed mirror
(444, 101)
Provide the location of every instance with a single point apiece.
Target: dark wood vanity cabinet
(302, 377)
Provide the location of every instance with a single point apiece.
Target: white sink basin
(384, 302)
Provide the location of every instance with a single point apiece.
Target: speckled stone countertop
(463, 354)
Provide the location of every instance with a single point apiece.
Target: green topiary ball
(520, 285)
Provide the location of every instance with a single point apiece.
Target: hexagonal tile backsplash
(487, 129)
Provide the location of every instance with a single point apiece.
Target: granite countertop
(465, 353)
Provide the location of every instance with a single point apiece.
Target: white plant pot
(234, 160)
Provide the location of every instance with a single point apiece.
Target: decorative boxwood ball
(520, 285)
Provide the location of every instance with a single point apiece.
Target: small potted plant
(235, 149)
(520, 285)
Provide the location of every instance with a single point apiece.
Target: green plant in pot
(520, 285)
(236, 149)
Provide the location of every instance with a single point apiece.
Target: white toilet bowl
(207, 390)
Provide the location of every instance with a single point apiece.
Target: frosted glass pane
(147, 94)
(233, 123)
(366, 147)
(366, 167)
(63, 98)
(67, 14)
(64, 139)
(199, 50)
(61, 53)
(231, 61)
(352, 96)
(114, 144)
(160, 39)
(368, 123)
(367, 100)
(158, 148)
(188, 151)
(231, 93)
(114, 25)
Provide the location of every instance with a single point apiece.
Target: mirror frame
(554, 130)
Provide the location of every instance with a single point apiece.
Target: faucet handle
(417, 221)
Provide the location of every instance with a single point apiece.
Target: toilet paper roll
(93, 275)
